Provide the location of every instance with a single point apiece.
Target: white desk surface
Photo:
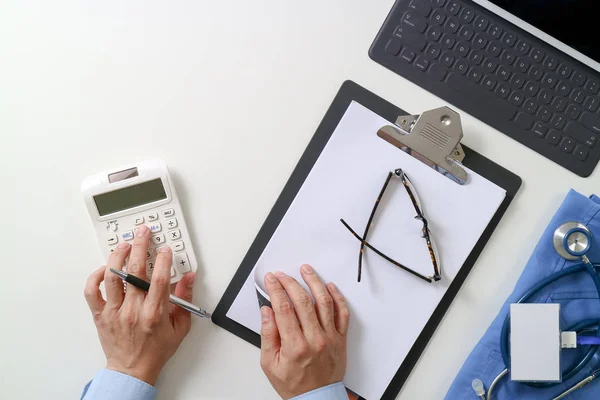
(229, 93)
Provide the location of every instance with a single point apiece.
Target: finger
(157, 300)
(92, 293)
(112, 283)
(182, 319)
(285, 316)
(137, 262)
(342, 313)
(270, 343)
(303, 304)
(323, 300)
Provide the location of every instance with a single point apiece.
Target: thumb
(182, 319)
(270, 341)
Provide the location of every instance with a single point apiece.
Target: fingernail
(191, 279)
(280, 274)
(123, 245)
(164, 249)
(307, 269)
(266, 315)
(271, 278)
(141, 231)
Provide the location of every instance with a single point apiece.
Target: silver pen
(145, 286)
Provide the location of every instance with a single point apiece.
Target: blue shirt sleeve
(112, 385)
(336, 391)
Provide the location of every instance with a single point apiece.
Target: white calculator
(122, 199)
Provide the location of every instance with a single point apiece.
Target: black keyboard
(499, 73)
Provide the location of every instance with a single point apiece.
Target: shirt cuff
(112, 385)
(336, 391)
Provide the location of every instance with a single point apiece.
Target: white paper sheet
(390, 307)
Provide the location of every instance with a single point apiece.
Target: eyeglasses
(425, 232)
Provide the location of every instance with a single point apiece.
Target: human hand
(303, 345)
(137, 332)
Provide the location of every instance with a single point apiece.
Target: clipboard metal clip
(433, 138)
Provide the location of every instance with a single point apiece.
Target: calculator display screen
(130, 197)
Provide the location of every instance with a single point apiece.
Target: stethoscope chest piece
(572, 240)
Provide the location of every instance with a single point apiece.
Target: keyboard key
(591, 103)
(563, 88)
(578, 96)
(448, 41)
(462, 49)
(494, 106)
(434, 33)
(524, 121)
(544, 114)
(480, 41)
(581, 153)
(540, 129)
(489, 65)
(549, 80)
(531, 88)
(564, 71)
(466, 16)
(489, 83)
(551, 63)
(476, 57)
(482, 23)
(545, 96)
(494, 49)
(475, 75)
(591, 86)
(451, 25)
(516, 98)
(536, 73)
(558, 122)
(530, 106)
(447, 59)
(523, 47)
(417, 23)
(591, 121)
(559, 104)
(393, 47)
(466, 33)
(415, 41)
(573, 111)
(453, 7)
(462, 66)
(509, 39)
(437, 18)
(553, 137)
(522, 65)
(438, 3)
(502, 90)
(408, 55)
(537, 55)
(578, 79)
(517, 81)
(495, 31)
(433, 51)
(508, 57)
(422, 63)
(581, 133)
(503, 73)
(567, 145)
(437, 72)
(422, 8)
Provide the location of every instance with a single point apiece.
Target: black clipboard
(349, 92)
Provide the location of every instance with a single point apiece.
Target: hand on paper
(303, 345)
(137, 332)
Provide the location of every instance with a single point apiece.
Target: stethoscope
(572, 241)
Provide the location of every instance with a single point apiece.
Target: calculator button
(171, 223)
(168, 213)
(150, 254)
(178, 246)
(153, 217)
(112, 226)
(182, 262)
(176, 234)
(158, 239)
(127, 235)
(112, 239)
(138, 220)
(149, 268)
(156, 227)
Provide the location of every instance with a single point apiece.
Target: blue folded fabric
(578, 299)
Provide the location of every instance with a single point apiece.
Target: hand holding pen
(137, 331)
